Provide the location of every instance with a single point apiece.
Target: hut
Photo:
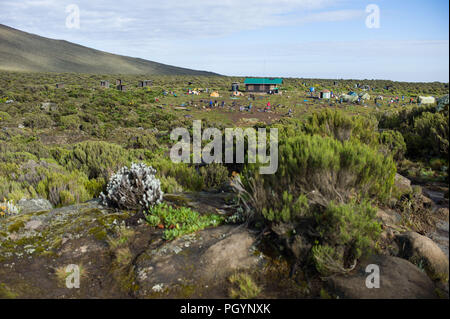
(262, 85)
(145, 83)
(104, 84)
(122, 87)
(235, 86)
(60, 85)
(325, 94)
(118, 82)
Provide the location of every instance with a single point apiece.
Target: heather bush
(4, 117)
(322, 169)
(70, 121)
(393, 143)
(184, 174)
(214, 175)
(94, 158)
(342, 127)
(425, 130)
(62, 188)
(431, 130)
(37, 121)
(346, 231)
(133, 188)
(322, 185)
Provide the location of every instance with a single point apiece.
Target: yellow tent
(214, 94)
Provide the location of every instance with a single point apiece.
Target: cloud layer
(327, 37)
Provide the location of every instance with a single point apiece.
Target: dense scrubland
(337, 161)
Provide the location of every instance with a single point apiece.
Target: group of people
(216, 104)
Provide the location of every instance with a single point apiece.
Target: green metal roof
(263, 81)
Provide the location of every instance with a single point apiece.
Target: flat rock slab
(399, 279)
(197, 260)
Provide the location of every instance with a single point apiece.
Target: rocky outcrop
(399, 279)
(388, 216)
(402, 184)
(199, 261)
(425, 253)
(118, 257)
(27, 206)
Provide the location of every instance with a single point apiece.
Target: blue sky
(289, 38)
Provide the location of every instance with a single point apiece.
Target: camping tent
(364, 96)
(214, 94)
(350, 97)
(426, 100)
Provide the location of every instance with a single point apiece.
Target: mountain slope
(21, 51)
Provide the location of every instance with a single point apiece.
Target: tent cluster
(353, 97)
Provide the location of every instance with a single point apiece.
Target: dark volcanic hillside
(21, 51)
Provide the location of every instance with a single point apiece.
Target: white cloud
(174, 18)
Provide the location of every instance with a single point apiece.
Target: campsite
(221, 159)
(61, 145)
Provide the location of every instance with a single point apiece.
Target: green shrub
(63, 189)
(243, 287)
(322, 169)
(38, 121)
(431, 132)
(347, 232)
(70, 121)
(4, 117)
(425, 130)
(184, 174)
(393, 143)
(95, 159)
(143, 141)
(342, 127)
(214, 175)
(170, 185)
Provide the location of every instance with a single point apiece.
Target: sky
(334, 39)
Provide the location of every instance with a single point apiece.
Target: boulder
(423, 251)
(402, 184)
(388, 217)
(399, 279)
(27, 206)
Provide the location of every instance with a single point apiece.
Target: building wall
(260, 87)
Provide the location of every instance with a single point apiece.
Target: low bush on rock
(243, 286)
(179, 221)
(346, 232)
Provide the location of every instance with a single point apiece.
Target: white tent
(426, 100)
